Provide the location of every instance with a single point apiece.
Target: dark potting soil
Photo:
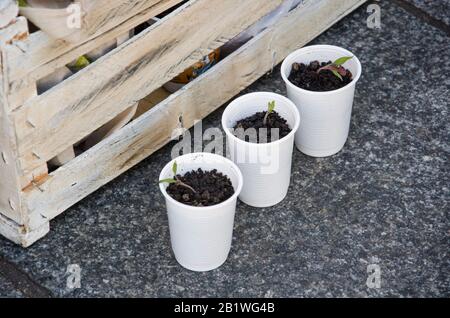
(256, 121)
(211, 188)
(307, 77)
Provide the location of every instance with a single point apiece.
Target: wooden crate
(35, 128)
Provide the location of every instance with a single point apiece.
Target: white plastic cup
(266, 167)
(201, 236)
(325, 115)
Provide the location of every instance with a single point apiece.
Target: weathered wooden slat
(67, 113)
(21, 234)
(9, 10)
(12, 38)
(14, 218)
(10, 196)
(104, 15)
(42, 55)
(12, 32)
(10, 201)
(152, 130)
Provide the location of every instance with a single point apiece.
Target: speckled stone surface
(439, 9)
(382, 200)
(7, 289)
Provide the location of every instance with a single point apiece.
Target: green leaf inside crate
(81, 62)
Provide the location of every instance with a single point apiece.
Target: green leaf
(23, 3)
(167, 181)
(174, 168)
(336, 73)
(81, 62)
(342, 60)
(271, 107)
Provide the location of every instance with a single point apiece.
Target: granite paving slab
(381, 202)
(439, 9)
(7, 289)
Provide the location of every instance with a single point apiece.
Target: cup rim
(249, 96)
(320, 47)
(237, 191)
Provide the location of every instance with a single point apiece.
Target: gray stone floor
(7, 289)
(439, 9)
(382, 200)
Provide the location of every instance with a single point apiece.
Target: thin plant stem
(181, 183)
(265, 118)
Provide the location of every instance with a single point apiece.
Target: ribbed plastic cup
(266, 167)
(201, 236)
(325, 115)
